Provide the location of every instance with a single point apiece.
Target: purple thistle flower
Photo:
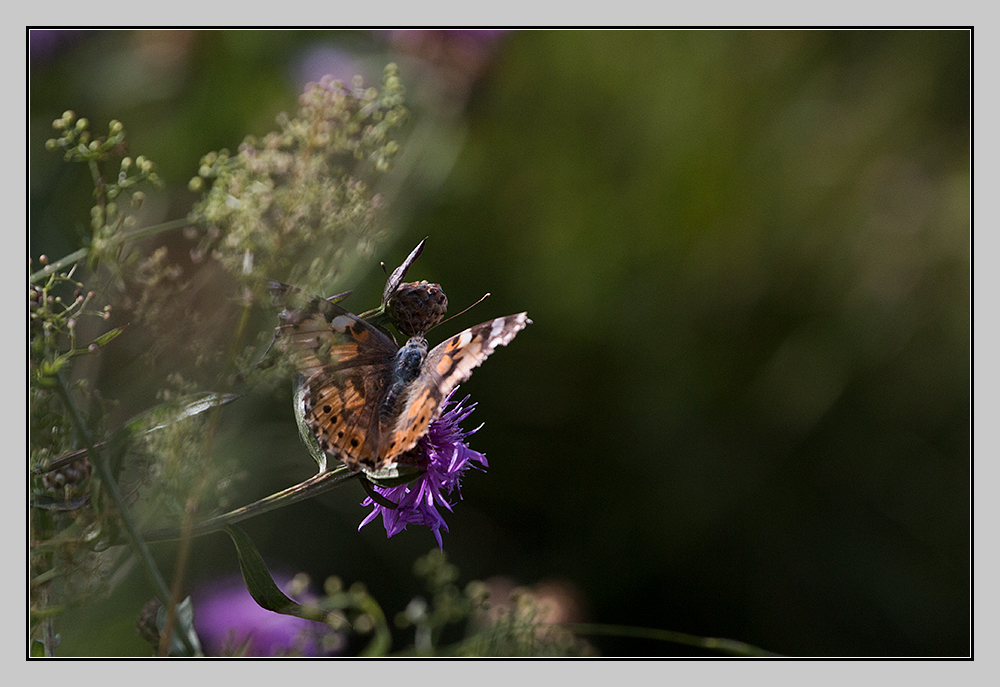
(444, 455)
(227, 618)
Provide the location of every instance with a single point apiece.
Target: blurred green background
(743, 408)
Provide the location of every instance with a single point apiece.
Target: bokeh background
(743, 408)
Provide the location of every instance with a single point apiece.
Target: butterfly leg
(375, 496)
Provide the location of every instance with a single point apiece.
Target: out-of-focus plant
(448, 621)
(297, 204)
(294, 203)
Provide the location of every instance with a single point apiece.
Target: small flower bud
(333, 585)
(82, 124)
(51, 144)
(364, 624)
(68, 116)
(126, 162)
(94, 348)
(44, 259)
(115, 126)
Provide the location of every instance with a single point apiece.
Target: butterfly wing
(446, 366)
(346, 365)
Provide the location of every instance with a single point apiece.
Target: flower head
(444, 455)
(229, 621)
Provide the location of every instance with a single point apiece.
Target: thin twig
(191, 507)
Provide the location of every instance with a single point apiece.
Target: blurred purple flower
(321, 60)
(44, 44)
(226, 617)
(446, 456)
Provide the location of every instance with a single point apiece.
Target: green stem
(135, 539)
(727, 646)
(317, 484)
(78, 255)
(95, 174)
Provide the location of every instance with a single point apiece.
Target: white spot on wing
(341, 323)
(495, 332)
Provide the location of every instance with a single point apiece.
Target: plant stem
(80, 254)
(135, 539)
(317, 484)
(727, 646)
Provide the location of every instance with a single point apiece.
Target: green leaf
(108, 336)
(261, 585)
(50, 368)
(99, 341)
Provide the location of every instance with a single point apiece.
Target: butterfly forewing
(447, 365)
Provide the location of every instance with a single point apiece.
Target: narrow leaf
(261, 585)
(108, 336)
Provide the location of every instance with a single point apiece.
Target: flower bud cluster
(118, 198)
(300, 199)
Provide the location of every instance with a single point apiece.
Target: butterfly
(368, 401)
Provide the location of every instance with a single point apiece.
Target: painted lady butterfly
(367, 401)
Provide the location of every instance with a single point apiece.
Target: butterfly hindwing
(345, 363)
(341, 416)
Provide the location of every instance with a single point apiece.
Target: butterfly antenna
(484, 297)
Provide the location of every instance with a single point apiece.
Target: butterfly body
(408, 362)
(367, 401)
